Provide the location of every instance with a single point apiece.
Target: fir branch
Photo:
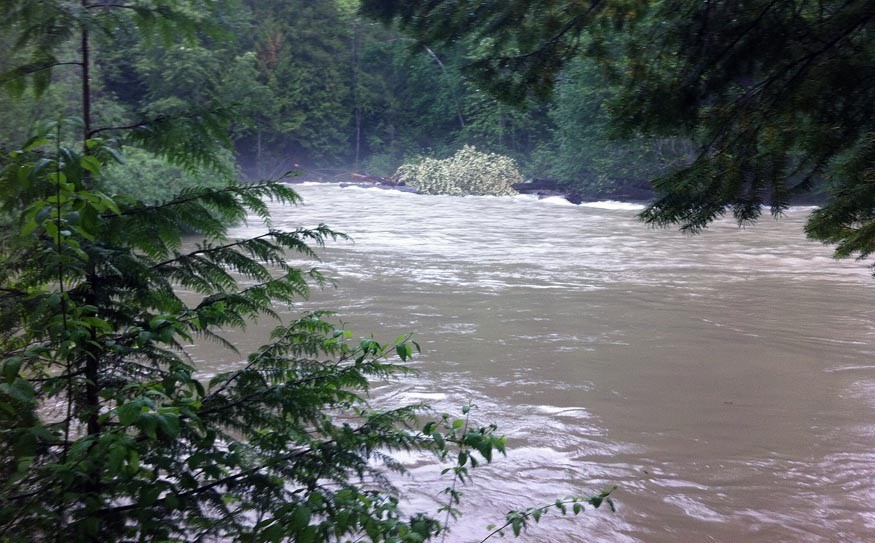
(120, 6)
(211, 250)
(141, 209)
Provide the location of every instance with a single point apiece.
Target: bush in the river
(468, 172)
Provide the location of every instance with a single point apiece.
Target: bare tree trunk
(451, 86)
(92, 358)
(355, 92)
(92, 391)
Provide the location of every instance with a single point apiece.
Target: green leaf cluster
(520, 519)
(586, 154)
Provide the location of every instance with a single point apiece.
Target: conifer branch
(143, 209)
(211, 250)
(36, 68)
(255, 395)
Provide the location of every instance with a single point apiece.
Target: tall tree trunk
(86, 84)
(92, 370)
(355, 92)
(91, 353)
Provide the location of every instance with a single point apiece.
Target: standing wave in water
(723, 381)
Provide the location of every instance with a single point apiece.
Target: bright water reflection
(725, 382)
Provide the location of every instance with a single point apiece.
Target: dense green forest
(316, 86)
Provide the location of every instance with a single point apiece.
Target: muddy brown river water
(725, 382)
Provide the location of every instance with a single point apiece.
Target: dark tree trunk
(86, 86)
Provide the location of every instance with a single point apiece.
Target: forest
(317, 87)
(149, 154)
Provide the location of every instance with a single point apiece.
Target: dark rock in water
(542, 188)
(634, 194)
(386, 183)
(576, 198)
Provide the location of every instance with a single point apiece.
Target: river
(724, 382)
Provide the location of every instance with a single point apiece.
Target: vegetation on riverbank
(764, 99)
(314, 85)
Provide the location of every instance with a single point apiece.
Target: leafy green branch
(465, 441)
(519, 520)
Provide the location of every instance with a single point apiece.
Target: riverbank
(542, 188)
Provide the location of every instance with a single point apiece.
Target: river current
(724, 382)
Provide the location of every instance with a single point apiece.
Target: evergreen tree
(305, 62)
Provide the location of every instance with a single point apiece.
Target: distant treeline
(314, 85)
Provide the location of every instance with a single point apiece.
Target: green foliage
(151, 179)
(137, 446)
(459, 431)
(519, 520)
(586, 155)
(776, 111)
(109, 433)
(296, 83)
(305, 63)
(468, 172)
(508, 130)
(518, 47)
(41, 29)
(185, 126)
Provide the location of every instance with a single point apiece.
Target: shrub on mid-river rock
(468, 172)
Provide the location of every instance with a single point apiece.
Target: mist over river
(724, 382)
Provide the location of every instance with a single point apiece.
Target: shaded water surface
(724, 382)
